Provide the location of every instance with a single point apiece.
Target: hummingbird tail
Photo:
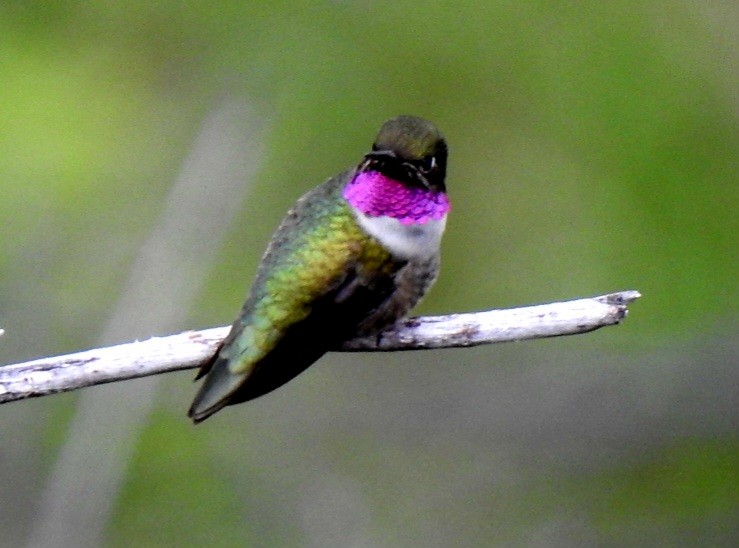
(216, 391)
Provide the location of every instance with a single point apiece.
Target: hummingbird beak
(376, 159)
(381, 156)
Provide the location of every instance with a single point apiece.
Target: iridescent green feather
(317, 244)
(319, 254)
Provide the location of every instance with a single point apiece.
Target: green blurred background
(593, 147)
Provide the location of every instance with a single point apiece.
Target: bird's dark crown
(410, 150)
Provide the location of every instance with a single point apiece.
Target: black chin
(387, 163)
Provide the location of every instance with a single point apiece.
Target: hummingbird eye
(429, 163)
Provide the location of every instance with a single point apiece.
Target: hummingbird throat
(376, 195)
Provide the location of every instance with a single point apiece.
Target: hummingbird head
(411, 151)
(402, 178)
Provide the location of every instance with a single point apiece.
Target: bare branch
(189, 349)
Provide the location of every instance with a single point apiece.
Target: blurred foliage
(594, 147)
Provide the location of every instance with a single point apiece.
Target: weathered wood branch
(189, 349)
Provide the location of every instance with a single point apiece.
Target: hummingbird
(350, 258)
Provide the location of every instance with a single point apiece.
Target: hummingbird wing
(321, 277)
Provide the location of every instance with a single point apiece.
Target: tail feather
(215, 393)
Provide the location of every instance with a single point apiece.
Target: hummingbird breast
(404, 241)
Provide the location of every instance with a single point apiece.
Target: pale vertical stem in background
(167, 275)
